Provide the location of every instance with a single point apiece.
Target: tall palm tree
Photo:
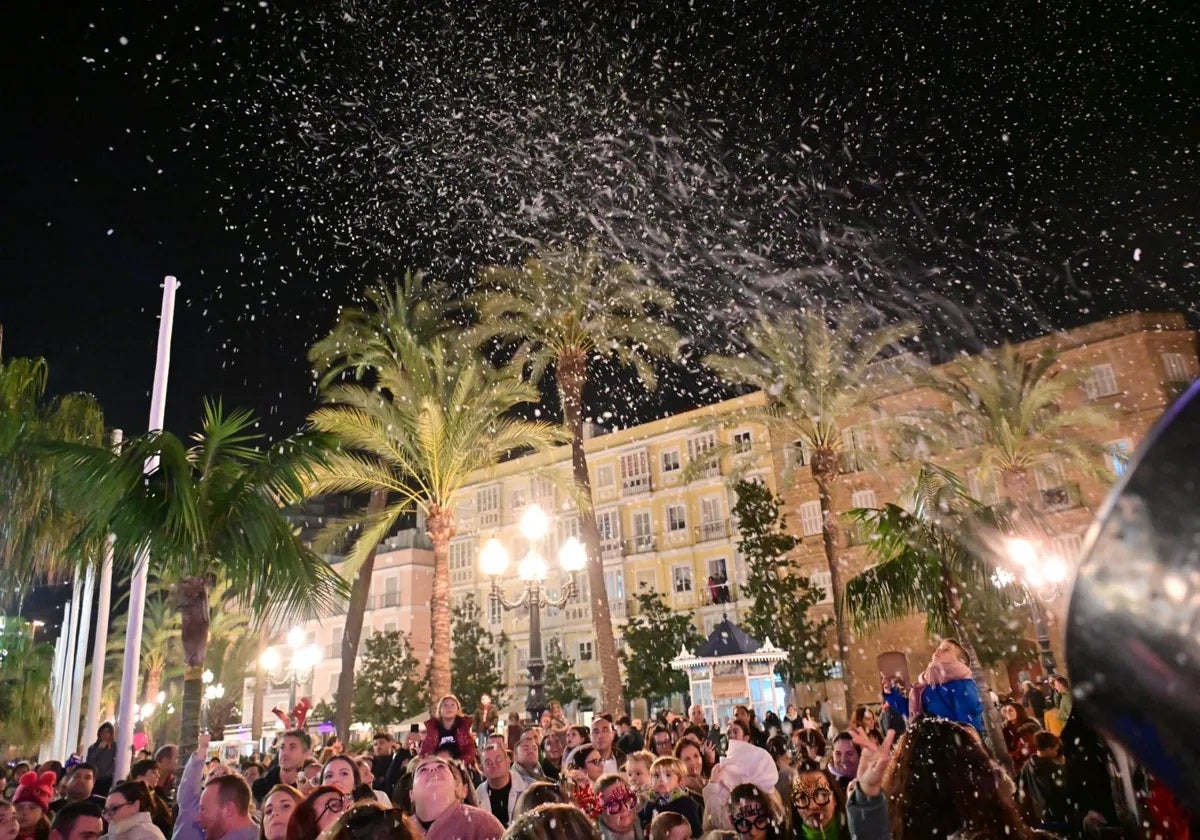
(815, 377)
(1011, 407)
(363, 340)
(210, 514)
(437, 412)
(26, 710)
(564, 309)
(928, 557)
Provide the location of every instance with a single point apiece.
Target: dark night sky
(956, 158)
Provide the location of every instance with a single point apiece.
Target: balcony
(1063, 497)
(643, 544)
(715, 530)
(610, 548)
(720, 593)
(709, 470)
(635, 484)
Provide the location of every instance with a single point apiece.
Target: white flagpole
(81, 640)
(137, 588)
(99, 649)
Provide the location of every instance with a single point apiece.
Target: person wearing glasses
(756, 814)
(618, 809)
(820, 806)
(224, 812)
(318, 810)
(128, 812)
(500, 789)
(438, 798)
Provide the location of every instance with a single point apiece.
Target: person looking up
(450, 733)
(526, 763)
(167, 759)
(81, 781)
(146, 771)
(342, 772)
(295, 747)
(438, 796)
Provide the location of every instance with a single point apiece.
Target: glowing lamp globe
(533, 568)
(1022, 552)
(534, 523)
(297, 638)
(1055, 570)
(572, 556)
(269, 659)
(493, 559)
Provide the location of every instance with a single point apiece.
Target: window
(718, 568)
(1101, 383)
(1052, 485)
(698, 448)
(857, 443)
(585, 651)
(487, 504)
(462, 554)
(333, 681)
(498, 659)
(516, 499)
(334, 651)
(567, 527)
(608, 524)
(647, 581)
(823, 581)
(676, 518)
(494, 611)
(635, 472)
(742, 442)
(681, 579)
(1175, 367)
(862, 499)
(390, 627)
(391, 592)
(1118, 455)
(643, 531)
(604, 476)
(712, 523)
(803, 455)
(810, 518)
(670, 460)
(543, 489)
(614, 586)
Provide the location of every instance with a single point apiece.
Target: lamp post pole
(302, 660)
(1035, 573)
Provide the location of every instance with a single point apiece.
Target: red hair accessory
(298, 716)
(588, 801)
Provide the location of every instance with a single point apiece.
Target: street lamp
(1041, 578)
(533, 570)
(212, 691)
(301, 659)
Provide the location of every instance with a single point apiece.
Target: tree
(566, 309)
(781, 598)
(437, 413)
(388, 687)
(814, 377)
(26, 710)
(474, 671)
(926, 564)
(209, 515)
(653, 637)
(559, 680)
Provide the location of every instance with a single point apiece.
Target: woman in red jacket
(450, 732)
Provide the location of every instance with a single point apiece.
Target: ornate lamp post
(302, 659)
(533, 571)
(1041, 578)
(212, 691)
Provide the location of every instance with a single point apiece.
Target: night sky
(992, 169)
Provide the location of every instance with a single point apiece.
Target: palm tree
(210, 514)
(437, 413)
(814, 377)
(565, 309)
(1011, 410)
(363, 340)
(927, 561)
(26, 710)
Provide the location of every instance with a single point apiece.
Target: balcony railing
(638, 545)
(709, 470)
(635, 484)
(610, 549)
(1063, 497)
(715, 530)
(720, 593)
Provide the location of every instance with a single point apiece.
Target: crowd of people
(914, 766)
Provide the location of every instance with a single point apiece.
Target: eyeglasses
(820, 796)
(594, 762)
(334, 806)
(112, 809)
(618, 802)
(743, 821)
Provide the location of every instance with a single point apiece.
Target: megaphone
(1133, 625)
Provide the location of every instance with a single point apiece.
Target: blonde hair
(641, 757)
(661, 825)
(671, 763)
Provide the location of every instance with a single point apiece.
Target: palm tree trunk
(825, 471)
(994, 729)
(440, 527)
(572, 374)
(360, 591)
(153, 685)
(192, 594)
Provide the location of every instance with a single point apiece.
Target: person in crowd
(369, 820)
(77, 821)
(604, 740)
(810, 749)
(500, 789)
(1042, 787)
(32, 803)
(558, 718)
(343, 773)
(668, 777)
(629, 740)
(697, 764)
(777, 748)
(224, 810)
(669, 825)
(743, 763)
(128, 808)
(586, 766)
(295, 747)
(538, 793)
(618, 811)
(167, 759)
(772, 725)
(1019, 732)
(747, 718)
(310, 775)
(102, 755)
(1058, 708)
(277, 808)
(367, 775)
(513, 727)
(80, 782)
(864, 719)
(1089, 785)
(553, 822)
(843, 764)
(381, 758)
(146, 771)
(191, 781)
(400, 759)
(487, 716)
(662, 742)
(317, 811)
(1015, 716)
(526, 762)
(946, 688)
(637, 771)
(756, 814)
(450, 733)
(553, 747)
(1034, 702)
(9, 827)
(577, 736)
(819, 805)
(894, 714)
(252, 771)
(438, 795)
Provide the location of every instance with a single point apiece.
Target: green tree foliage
(653, 637)
(26, 713)
(780, 597)
(473, 669)
(559, 680)
(388, 685)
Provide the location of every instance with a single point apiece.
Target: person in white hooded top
(743, 762)
(127, 808)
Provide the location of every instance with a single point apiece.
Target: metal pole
(1043, 635)
(535, 702)
(81, 640)
(137, 586)
(63, 687)
(99, 648)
